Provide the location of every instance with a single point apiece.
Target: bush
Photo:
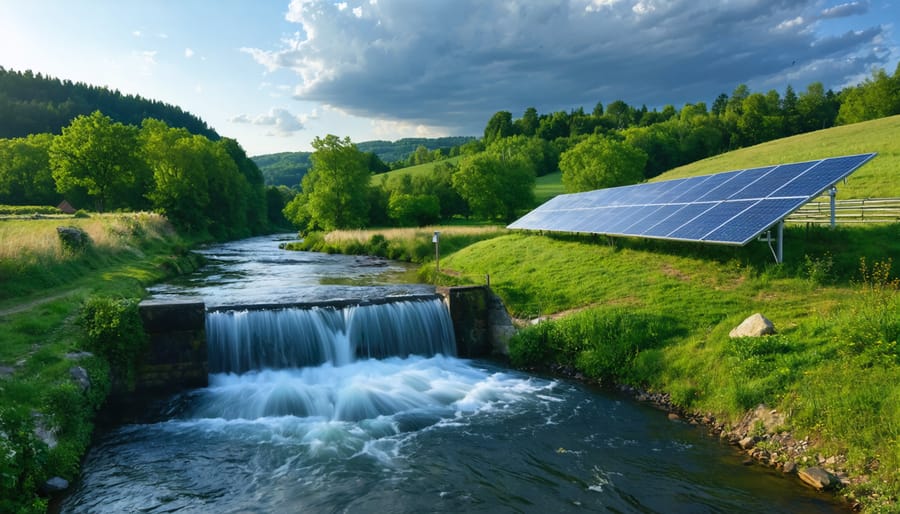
(601, 343)
(22, 459)
(114, 330)
(81, 213)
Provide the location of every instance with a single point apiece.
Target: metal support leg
(779, 255)
(832, 193)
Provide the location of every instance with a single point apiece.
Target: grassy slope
(421, 169)
(843, 395)
(879, 178)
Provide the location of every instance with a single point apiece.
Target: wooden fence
(869, 210)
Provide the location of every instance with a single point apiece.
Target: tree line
(99, 164)
(614, 145)
(33, 104)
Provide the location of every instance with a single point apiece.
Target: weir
(188, 341)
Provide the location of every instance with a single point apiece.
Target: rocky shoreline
(760, 434)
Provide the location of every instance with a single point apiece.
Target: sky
(275, 74)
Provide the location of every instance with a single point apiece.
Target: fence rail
(869, 210)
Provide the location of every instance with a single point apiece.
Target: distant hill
(392, 151)
(34, 104)
(288, 168)
(283, 169)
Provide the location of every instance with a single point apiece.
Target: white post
(832, 194)
(436, 239)
(779, 257)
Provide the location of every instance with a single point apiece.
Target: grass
(419, 170)
(548, 186)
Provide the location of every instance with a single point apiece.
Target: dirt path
(22, 307)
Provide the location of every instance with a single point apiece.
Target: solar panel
(732, 208)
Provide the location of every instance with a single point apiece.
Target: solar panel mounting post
(832, 193)
(779, 256)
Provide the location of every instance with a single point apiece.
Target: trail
(26, 306)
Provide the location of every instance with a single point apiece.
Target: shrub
(114, 330)
(22, 458)
(81, 213)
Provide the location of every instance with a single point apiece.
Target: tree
(495, 187)
(418, 210)
(499, 126)
(25, 177)
(100, 156)
(599, 162)
(527, 125)
(877, 97)
(181, 184)
(336, 189)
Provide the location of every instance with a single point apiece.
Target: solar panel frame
(731, 208)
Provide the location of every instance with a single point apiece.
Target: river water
(417, 431)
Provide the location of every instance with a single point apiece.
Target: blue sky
(274, 74)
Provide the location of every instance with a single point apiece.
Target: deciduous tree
(599, 162)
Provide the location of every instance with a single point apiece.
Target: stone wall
(480, 320)
(176, 356)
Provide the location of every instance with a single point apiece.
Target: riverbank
(50, 389)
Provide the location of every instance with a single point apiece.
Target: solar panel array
(732, 208)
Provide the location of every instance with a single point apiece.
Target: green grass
(548, 186)
(419, 170)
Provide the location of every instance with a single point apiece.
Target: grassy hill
(657, 314)
(879, 178)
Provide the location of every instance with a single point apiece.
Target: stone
(748, 442)
(818, 477)
(6, 371)
(55, 485)
(789, 467)
(755, 326)
(674, 417)
(80, 376)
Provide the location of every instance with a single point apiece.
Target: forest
(202, 182)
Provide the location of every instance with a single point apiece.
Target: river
(414, 432)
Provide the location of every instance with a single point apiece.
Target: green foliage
(872, 328)
(601, 343)
(818, 269)
(335, 191)
(22, 459)
(25, 176)
(81, 214)
(100, 156)
(27, 210)
(599, 162)
(114, 330)
(496, 185)
(414, 210)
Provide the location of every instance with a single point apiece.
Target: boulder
(80, 376)
(55, 485)
(818, 477)
(754, 326)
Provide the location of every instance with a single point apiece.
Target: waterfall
(245, 340)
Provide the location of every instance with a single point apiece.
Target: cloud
(282, 122)
(844, 10)
(452, 64)
(188, 53)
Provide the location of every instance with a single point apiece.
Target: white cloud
(281, 121)
(454, 63)
(188, 53)
(136, 33)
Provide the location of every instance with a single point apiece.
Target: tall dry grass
(37, 241)
(338, 237)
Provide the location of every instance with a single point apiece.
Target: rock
(55, 485)
(748, 442)
(75, 356)
(6, 371)
(674, 417)
(46, 434)
(80, 376)
(818, 477)
(73, 238)
(754, 326)
(789, 467)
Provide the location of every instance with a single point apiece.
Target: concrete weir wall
(480, 320)
(176, 356)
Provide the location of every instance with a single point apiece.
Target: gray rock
(46, 434)
(754, 326)
(748, 442)
(818, 477)
(80, 376)
(55, 485)
(75, 356)
(6, 371)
